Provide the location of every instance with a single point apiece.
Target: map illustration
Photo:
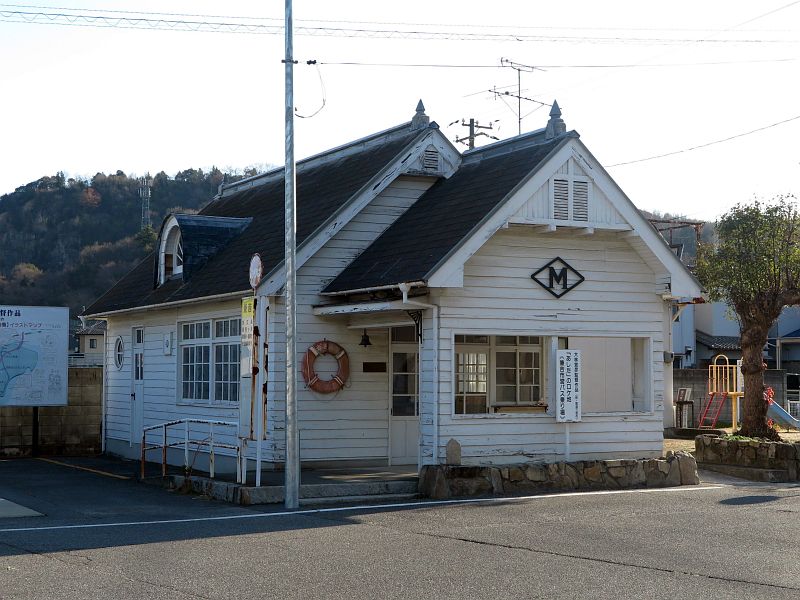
(33, 356)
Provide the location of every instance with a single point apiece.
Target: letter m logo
(558, 277)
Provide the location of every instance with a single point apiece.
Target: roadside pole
(290, 224)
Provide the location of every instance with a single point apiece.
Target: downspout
(405, 288)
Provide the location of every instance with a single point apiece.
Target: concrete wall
(66, 430)
(697, 380)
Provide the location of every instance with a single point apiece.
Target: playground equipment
(776, 412)
(724, 381)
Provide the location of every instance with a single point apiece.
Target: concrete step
(273, 494)
(749, 473)
(371, 499)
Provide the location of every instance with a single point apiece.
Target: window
(570, 194)
(210, 365)
(498, 373)
(93, 344)
(615, 372)
(170, 254)
(138, 366)
(119, 352)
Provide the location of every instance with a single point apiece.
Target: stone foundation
(446, 481)
(775, 456)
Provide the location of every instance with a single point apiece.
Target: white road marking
(312, 511)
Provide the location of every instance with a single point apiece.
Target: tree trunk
(754, 421)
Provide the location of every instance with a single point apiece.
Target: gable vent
(580, 200)
(561, 199)
(430, 160)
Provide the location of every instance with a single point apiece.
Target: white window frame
(231, 336)
(491, 348)
(171, 245)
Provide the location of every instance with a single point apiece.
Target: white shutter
(561, 199)
(580, 200)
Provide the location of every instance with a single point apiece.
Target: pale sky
(89, 99)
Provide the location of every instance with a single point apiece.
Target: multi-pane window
(497, 372)
(210, 363)
(138, 366)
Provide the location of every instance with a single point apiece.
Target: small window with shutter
(570, 195)
(430, 159)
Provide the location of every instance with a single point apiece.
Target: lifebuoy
(326, 386)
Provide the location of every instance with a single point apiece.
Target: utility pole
(473, 125)
(292, 481)
(144, 194)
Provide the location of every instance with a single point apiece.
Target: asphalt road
(104, 537)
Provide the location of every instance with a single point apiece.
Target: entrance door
(137, 386)
(405, 404)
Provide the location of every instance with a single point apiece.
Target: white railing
(85, 359)
(163, 443)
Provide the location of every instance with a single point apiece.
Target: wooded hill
(65, 241)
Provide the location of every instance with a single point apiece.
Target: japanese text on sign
(568, 386)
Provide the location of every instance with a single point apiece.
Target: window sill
(512, 409)
(205, 404)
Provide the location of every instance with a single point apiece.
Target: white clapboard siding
(353, 423)
(617, 299)
(161, 402)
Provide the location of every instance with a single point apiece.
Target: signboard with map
(33, 355)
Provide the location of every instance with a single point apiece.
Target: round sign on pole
(256, 270)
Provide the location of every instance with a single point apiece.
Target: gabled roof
(718, 342)
(447, 213)
(92, 328)
(325, 183)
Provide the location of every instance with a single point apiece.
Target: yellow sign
(248, 308)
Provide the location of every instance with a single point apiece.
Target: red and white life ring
(326, 386)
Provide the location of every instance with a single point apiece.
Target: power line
(727, 139)
(234, 26)
(515, 27)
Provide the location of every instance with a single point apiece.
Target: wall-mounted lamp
(365, 340)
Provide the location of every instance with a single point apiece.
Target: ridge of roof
(512, 144)
(330, 153)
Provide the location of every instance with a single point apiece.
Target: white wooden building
(464, 272)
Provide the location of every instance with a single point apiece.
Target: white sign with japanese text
(568, 386)
(34, 341)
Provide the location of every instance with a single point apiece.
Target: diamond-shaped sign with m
(557, 277)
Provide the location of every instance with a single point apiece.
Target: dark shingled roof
(446, 214)
(718, 342)
(324, 185)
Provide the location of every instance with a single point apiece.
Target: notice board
(34, 342)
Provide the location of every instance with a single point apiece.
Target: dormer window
(170, 259)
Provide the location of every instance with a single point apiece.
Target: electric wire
(404, 23)
(234, 26)
(727, 139)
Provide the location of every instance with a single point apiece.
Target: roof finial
(420, 119)
(556, 125)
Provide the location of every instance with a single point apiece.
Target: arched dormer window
(170, 253)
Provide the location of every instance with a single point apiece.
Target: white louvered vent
(561, 199)
(430, 160)
(580, 200)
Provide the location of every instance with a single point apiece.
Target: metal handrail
(164, 444)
